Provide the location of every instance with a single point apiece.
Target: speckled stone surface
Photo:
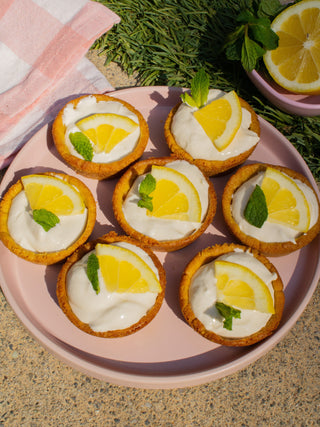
(280, 389)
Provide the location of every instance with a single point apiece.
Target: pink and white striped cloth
(42, 63)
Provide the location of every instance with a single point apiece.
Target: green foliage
(45, 218)
(147, 186)
(166, 42)
(82, 145)
(256, 210)
(228, 313)
(92, 271)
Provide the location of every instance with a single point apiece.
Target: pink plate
(167, 353)
(293, 103)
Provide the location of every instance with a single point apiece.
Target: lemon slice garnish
(295, 63)
(124, 271)
(175, 197)
(221, 119)
(53, 194)
(106, 130)
(286, 202)
(238, 286)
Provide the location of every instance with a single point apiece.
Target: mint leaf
(252, 34)
(45, 218)
(270, 8)
(262, 33)
(199, 90)
(92, 271)
(228, 313)
(256, 210)
(250, 53)
(146, 187)
(82, 145)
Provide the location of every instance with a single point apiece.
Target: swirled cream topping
(165, 229)
(270, 232)
(107, 311)
(189, 134)
(88, 106)
(203, 296)
(31, 236)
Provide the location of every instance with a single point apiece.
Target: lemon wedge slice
(221, 119)
(106, 130)
(175, 197)
(240, 287)
(295, 63)
(286, 202)
(53, 194)
(124, 271)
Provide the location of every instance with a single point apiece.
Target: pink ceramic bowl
(302, 105)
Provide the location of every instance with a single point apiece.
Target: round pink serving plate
(167, 353)
(293, 103)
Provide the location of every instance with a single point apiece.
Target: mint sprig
(256, 210)
(199, 90)
(252, 35)
(146, 187)
(45, 218)
(228, 313)
(92, 271)
(82, 145)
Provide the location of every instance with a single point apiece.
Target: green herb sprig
(199, 90)
(92, 271)
(146, 187)
(256, 210)
(228, 313)
(45, 218)
(253, 35)
(82, 145)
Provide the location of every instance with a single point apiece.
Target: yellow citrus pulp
(295, 63)
(53, 194)
(239, 287)
(221, 119)
(286, 203)
(106, 130)
(174, 197)
(124, 271)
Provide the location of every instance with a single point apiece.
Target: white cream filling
(30, 235)
(189, 134)
(164, 229)
(203, 297)
(89, 105)
(107, 311)
(269, 232)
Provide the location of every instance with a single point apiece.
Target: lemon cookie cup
(114, 307)
(112, 131)
(184, 203)
(231, 273)
(26, 237)
(292, 218)
(185, 137)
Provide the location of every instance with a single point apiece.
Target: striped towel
(42, 63)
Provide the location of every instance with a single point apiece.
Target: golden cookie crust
(122, 188)
(206, 256)
(63, 300)
(268, 248)
(98, 170)
(46, 258)
(211, 167)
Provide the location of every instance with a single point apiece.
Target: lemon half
(295, 63)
